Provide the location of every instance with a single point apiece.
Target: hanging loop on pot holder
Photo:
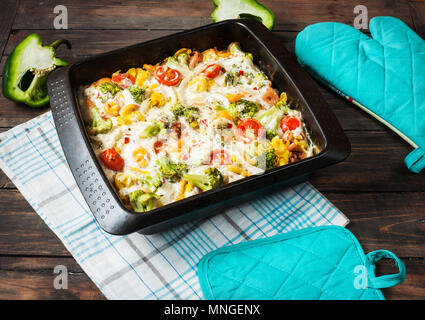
(388, 280)
(415, 160)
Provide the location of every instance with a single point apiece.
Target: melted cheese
(197, 141)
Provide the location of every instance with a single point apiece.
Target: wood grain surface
(383, 200)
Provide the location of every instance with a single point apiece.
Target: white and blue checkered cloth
(160, 266)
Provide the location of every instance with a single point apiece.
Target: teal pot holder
(384, 75)
(323, 263)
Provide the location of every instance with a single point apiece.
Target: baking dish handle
(94, 188)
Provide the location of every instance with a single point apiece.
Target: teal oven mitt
(323, 263)
(384, 75)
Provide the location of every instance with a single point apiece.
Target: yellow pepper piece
(281, 150)
(283, 97)
(223, 54)
(156, 100)
(132, 72)
(141, 76)
(137, 170)
(121, 121)
(246, 174)
(210, 54)
(128, 110)
(140, 155)
(189, 187)
(224, 114)
(139, 116)
(123, 180)
(150, 67)
(102, 81)
(183, 184)
(182, 192)
(112, 108)
(183, 50)
(153, 86)
(235, 97)
(200, 83)
(184, 187)
(234, 169)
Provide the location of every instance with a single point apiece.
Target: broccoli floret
(267, 160)
(169, 170)
(142, 201)
(261, 76)
(151, 183)
(234, 47)
(247, 108)
(231, 78)
(234, 112)
(153, 130)
(191, 114)
(270, 134)
(260, 79)
(110, 87)
(212, 179)
(283, 106)
(249, 56)
(183, 58)
(99, 125)
(176, 62)
(177, 110)
(270, 118)
(219, 107)
(243, 109)
(137, 93)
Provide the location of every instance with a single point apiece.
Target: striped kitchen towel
(160, 266)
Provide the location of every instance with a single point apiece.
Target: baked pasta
(192, 123)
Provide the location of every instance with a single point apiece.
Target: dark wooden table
(384, 201)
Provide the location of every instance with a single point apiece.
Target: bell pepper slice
(26, 70)
(237, 9)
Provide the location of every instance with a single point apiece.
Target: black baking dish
(272, 57)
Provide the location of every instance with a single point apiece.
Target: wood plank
(27, 278)
(32, 278)
(86, 42)
(2, 63)
(8, 9)
(22, 231)
(418, 16)
(185, 14)
(11, 114)
(413, 288)
(376, 164)
(380, 221)
(391, 221)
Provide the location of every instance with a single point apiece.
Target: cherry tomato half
(123, 80)
(211, 71)
(289, 123)
(248, 130)
(112, 160)
(220, 157)
(157, 146)
(165, 75)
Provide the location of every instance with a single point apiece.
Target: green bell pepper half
(26, 70)
(237, 9)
